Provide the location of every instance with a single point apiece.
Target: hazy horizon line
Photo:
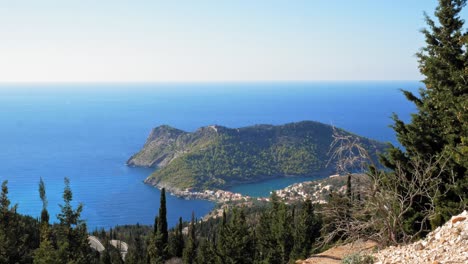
(201, 82)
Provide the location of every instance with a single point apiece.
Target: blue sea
(86, 132)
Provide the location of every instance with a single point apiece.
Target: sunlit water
(87, 132)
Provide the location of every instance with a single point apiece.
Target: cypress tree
(221, 247)
(440, 127)
(42, 195)
(162, 231)
(158, 248)
(46, 253)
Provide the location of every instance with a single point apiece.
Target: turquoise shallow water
(263, 189)
(87, 132)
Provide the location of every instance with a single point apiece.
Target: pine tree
(136, 253)
(307, 231)
(271, 232)
(284, 232)
(206, 253)
(46, 253)
(152, 252)
(190, 250)
(176, 246)
(235, 243)
(440, 127)
(13, 235)
(72, 236)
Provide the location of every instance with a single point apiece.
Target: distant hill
(217, 156)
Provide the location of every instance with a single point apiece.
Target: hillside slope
(446, 244)
(216, 156)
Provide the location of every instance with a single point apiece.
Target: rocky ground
(447, 244)
(336, 254)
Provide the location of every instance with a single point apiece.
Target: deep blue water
(87, 132)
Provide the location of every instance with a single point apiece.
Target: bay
(87, 132)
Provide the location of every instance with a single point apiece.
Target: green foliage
(206, 252)
(358, 258)
(235, 241)
(307, 231)
(46, 254)
(243, 235)
(158, 248)
(176, 240)
(227, 156)
(190, 250)
(71, 234)
(440, 127)
(18, 234)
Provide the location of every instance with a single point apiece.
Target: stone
(446, 244)
(418, 246)
(458, 219)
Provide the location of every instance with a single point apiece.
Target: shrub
(358, 258)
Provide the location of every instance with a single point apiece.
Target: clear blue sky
(243, 40)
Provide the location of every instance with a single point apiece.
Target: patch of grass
(358, 258)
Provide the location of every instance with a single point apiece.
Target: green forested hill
(217, 156)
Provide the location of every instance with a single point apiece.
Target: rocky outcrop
(446, 244)
(159, 148)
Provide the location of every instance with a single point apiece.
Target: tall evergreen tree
(235, 242)
(190, 250)
(176, 243)
(14, 246)
(6, 236)
(46, 253)
(152, 251)
(271, 232)
(206, 253)
(440, 127)
(137, 252)
(72, 236)
(159, 247)
(162, 226)
(307, 231)
(42, 195)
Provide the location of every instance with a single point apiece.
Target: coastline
(316, 190)
(216, 196)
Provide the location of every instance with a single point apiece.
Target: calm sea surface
(87, 132)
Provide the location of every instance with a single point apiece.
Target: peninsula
(216, 157)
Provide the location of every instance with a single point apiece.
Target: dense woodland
(217, 159)
(423, 185)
